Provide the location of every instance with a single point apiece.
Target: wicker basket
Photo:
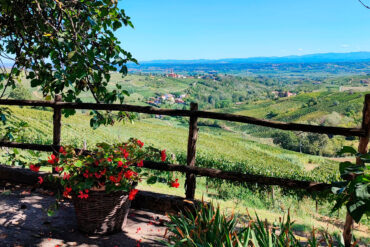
(102, 213)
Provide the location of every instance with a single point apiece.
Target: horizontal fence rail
(188, 113)
(200, 171)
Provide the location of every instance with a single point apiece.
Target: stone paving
(24, 222)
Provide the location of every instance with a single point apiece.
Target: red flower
(120, 163)
(114, 179)
(96, 162)
(129, 174)
(86, 174)
(103, 172)
(67, 191)
(109, 160)
(53, 159)
(163, 155)
(125, 154)
(34, 168)
(141, 144)
(175, 184)
(97, 175)
(41, 180)
(66, 176)
(140, 164)
(82, 195)
(62, 151)
(58, 169)
(132, 194)
(86, 191)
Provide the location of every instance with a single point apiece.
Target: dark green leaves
(347, 150)
(152, 180)
(354, 193)
(67, 47)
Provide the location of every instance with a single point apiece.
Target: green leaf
(356, 209)
(68, 112)
(78, 163)
(347, 149)
(346, 168)
(116, 25)
(152, 180)
(71, 54)
(362, 191)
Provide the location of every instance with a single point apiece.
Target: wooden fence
(194, 114)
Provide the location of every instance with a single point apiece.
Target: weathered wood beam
(362, 148)
(200, 171)
(190, 183)
(239, 177)
(200, 114)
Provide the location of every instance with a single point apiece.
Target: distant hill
(310, 58)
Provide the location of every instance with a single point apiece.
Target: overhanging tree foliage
(64, 47)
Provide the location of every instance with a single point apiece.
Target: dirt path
(23, 222)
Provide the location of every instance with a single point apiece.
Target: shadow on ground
(24, 222)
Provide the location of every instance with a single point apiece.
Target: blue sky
(212, 29)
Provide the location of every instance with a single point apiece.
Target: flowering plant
(108, 167)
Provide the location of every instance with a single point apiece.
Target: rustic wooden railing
(194, 114)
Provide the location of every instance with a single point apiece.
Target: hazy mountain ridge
(310, 58)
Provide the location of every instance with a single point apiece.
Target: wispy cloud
(344, 45)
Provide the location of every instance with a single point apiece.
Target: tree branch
(366, 6)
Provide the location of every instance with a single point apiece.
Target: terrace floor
(23, 222)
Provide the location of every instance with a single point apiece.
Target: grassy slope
(292, 108)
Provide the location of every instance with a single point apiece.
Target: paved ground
(23, 222)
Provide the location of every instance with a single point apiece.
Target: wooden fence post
(190, 183)
(57, 124)
(362, 148)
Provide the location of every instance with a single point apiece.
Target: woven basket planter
(102, 213)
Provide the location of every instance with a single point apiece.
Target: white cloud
(344, 45)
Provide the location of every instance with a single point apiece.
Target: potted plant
(102, 183)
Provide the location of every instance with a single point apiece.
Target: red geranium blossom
(82, 195)
(175, 184)
(66, 176)
(141, 144)
(53, 159)
(115, 179)
(104, 171)
(132, 194)
(58, 169)
(62, 151)
(129, 174)
(163, 155)
(86, 174)
(97, 175)
(109, 160)
(67, 191)
(140, 164)
(34, 168)
(41, 180)
(125, 154)
(120, 163)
